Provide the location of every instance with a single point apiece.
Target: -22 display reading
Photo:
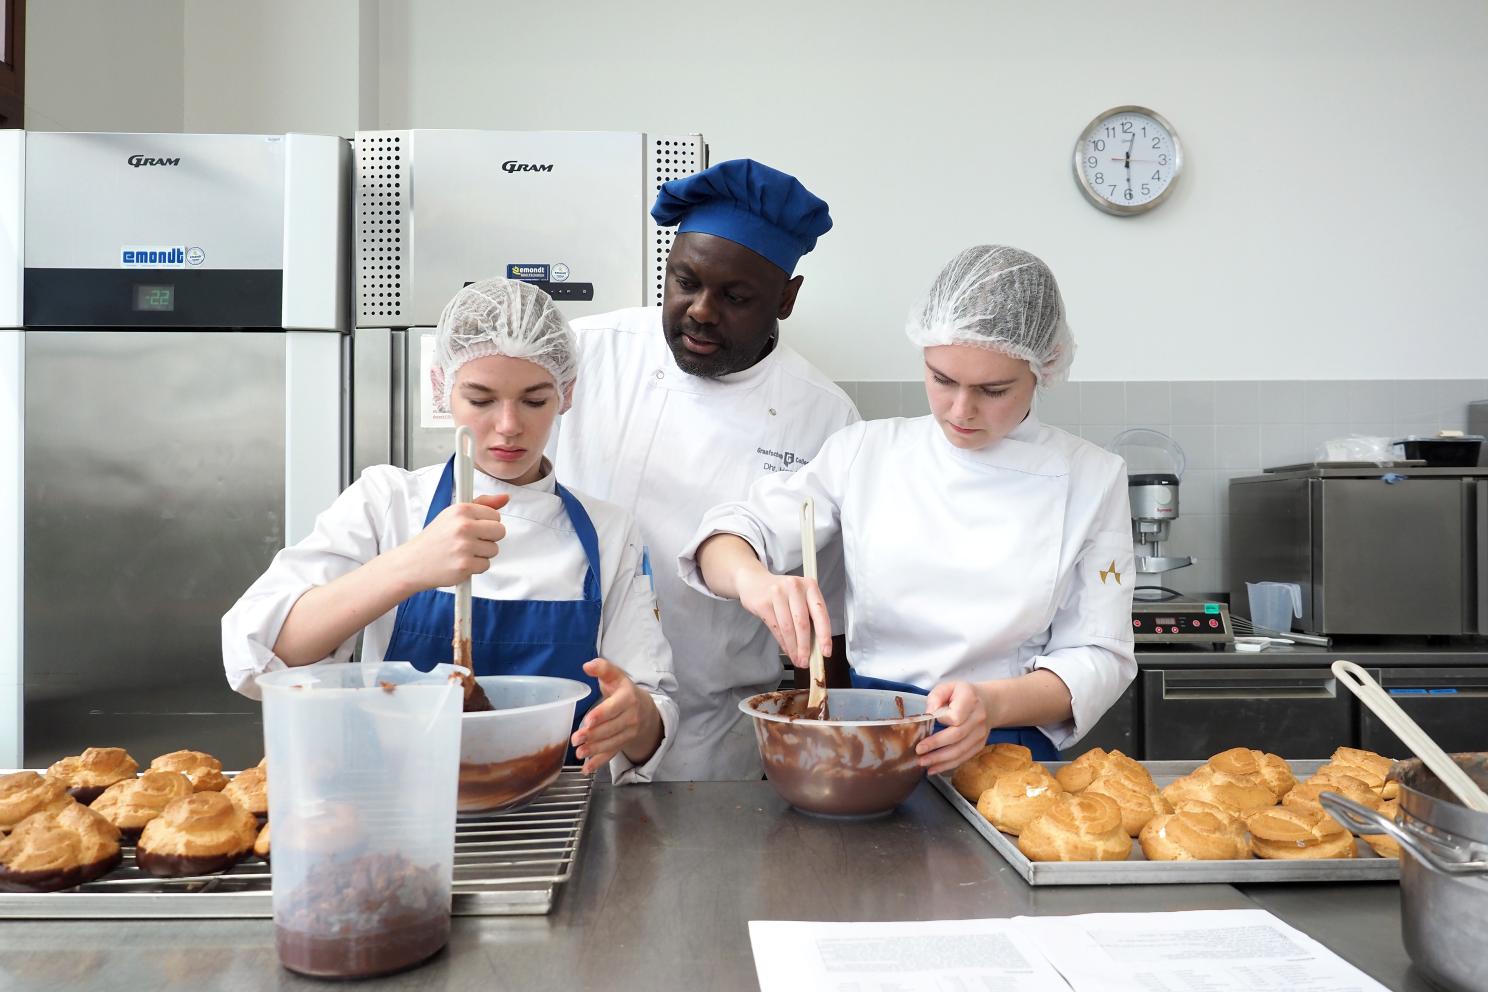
(154, 298)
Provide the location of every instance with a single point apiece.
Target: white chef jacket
(540, 558)
(667, 446)
(963, 565)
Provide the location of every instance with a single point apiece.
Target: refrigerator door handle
(1480, 577)
(399, 411)
(1176, 686)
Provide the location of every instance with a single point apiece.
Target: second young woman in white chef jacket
(989, 556)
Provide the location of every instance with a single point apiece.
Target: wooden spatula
(816, 697)
(475, 696)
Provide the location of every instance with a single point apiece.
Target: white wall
(1329, 223)
(100, 65)
(279, 65)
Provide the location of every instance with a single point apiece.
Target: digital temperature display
(154, 298)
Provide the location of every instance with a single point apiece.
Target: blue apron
(508, 637)
(1030, 737)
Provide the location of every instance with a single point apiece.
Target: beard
(725, 359)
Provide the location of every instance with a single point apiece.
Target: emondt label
(527, 272)
(153, 256)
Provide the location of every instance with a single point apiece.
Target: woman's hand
(459, 543)
(968, 715)
(791, 608)
(626, 720)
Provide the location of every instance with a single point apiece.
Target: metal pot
(1443, 871)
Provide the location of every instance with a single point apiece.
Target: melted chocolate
(407, 942)
(179, 865)
(499, 784)
(54, 879)
(85, 794)
(372, 915)
(834, 770)
(476, 700)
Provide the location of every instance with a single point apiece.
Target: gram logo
(142, 160)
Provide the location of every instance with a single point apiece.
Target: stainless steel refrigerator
(172, 411)
(438, 209)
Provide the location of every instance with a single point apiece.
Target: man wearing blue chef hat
(682, 407)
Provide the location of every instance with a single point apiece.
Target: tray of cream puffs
(181, 824)
(95, 836)
(1241, 816)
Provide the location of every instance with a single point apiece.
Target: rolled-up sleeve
(769, 518)
(1091, 647)
(631, 638)
(346, 536)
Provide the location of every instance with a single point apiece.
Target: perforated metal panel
(668, 157)
(382, 176)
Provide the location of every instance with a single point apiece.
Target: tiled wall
(1227, 429)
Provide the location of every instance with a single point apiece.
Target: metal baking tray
(1366, 866)
(506, 864)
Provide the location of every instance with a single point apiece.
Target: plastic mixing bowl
(862, 762)
(511, 753)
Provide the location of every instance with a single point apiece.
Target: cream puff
(261, 845)
(1078, 827)
(1306, 794)
(1196, 831)
(1366, 766)
(1017, 797)
(58, 849)
(1295, 832)
(1239, 794)
(204, 770)
(978, 772)
(1383, 844)
(131, 804)
(250, 790)
(25, 793)
(86, 775)
(1080, 773)
(1137, 796)
(199, 834)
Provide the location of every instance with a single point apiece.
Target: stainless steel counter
(669, 877)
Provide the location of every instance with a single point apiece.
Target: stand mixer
(1154, 466)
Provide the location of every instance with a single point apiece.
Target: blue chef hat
(766, 211)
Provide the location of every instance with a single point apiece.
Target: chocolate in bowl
(497, 785)
(862, 762)
(510, 753)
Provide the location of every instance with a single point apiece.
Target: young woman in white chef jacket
(989, 556)
(569, 593)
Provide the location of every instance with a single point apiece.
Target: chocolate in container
(862, 762)
(362, 917)
(366, 760)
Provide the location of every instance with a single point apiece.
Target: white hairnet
(507, 318)
(1001, 298)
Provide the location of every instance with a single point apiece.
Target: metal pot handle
(1363, 820)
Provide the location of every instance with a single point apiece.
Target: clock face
(1127, 160)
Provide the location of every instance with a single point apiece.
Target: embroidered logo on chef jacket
(780, 461)
(1110, 573)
